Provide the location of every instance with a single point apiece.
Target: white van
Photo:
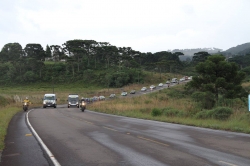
(73, 100)
(49, 100)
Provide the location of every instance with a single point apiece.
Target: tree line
(77, 60)
(87, 61)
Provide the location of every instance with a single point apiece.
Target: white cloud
(144, 25)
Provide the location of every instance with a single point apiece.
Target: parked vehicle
(160, 84)
(49, 100)
(167, 82)
(73, 100)
(124, 93)
(143, 89)
(132, 92)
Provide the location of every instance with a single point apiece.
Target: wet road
(89, 138)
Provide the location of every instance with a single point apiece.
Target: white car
(160, 84)
(143, 89)
(101, 97)
(152, 87)
(168, 82)
(182, 79)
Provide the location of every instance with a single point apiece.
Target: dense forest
(86, 61)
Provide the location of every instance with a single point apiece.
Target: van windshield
(49, 97)
(72, 98)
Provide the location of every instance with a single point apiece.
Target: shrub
(3, 101)
(222, 113)
(156, 112)
(206, 99)
(205, 114)
(173, 112)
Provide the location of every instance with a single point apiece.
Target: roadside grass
(174, 108)
(6, 113)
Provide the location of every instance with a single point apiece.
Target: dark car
(132, 92)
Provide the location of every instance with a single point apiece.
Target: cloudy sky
(144, 25)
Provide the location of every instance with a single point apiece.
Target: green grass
(176, 108)
(6, 114)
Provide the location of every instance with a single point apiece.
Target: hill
(189, 53)
(239, 49)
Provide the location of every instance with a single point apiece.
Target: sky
(143, 25)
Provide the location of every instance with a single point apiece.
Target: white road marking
(51, 156)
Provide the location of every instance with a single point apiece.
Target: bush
(173, 112)
(3, 101)
(206, 99)
(222, 113)
(205, 114)
(156, 112)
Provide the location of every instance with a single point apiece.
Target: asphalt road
(89, 138)
(76, 138)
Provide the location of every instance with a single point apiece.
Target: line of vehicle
(46, 149)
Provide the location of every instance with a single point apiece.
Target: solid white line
(227, 163)
(51, 156)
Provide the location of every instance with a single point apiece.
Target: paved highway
(73, 138)
(89, 138)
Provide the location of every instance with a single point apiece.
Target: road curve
(90, 138)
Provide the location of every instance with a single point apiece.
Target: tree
(57, 52)
(75, 48)
(218, 77)
(48, 52)
(11, 52)
(35, 51)
(200, 57)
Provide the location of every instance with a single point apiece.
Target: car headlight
(44, 102)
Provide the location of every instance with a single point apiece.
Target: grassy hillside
(175, 106)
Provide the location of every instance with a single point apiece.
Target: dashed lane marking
(88, 122)
(28, 134)
(109, 128)
(160, 143)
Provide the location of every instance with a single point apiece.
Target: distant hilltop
(242, 49)
(191, 52)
